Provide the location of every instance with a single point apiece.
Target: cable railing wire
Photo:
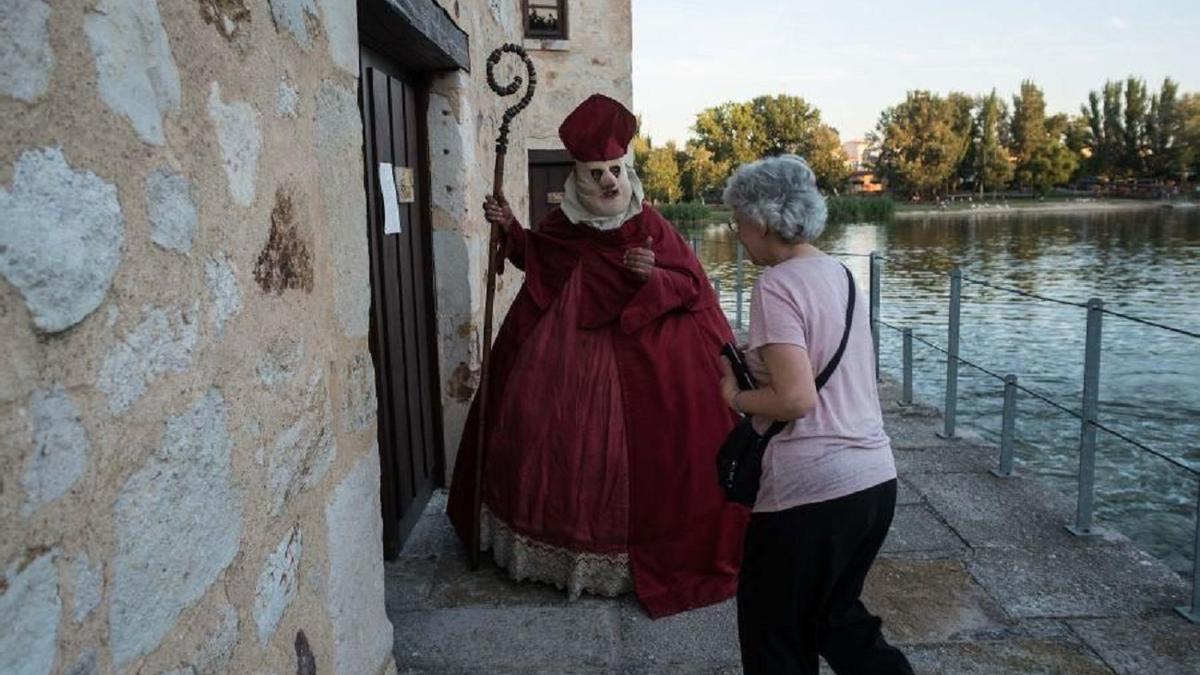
(1047, 400)
(1018, 291)
(1152, 323)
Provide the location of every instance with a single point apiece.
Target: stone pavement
(977, 576)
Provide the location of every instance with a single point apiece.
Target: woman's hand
(498, 213)
(640, 261)
(729, 384)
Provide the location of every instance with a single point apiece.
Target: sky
(853, 59)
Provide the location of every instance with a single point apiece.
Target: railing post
(876, 274)
(952, 354)
(1007, 424)
(908, 368)
(740, 274)
(1087, 429)
(1193, 613)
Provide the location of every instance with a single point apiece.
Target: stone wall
(596, 58)
(189, 481)
(189, 471)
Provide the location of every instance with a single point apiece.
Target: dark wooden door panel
(401, 298)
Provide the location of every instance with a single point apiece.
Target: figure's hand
(640, 260)
(497, 212)
(729, 384)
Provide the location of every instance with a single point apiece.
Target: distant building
(864, 181)
(856, 153)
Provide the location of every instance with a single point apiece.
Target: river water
(1142, 263)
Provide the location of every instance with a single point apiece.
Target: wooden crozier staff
(495, 264)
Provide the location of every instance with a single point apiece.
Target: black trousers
(798, 591)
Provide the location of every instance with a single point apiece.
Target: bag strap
(827, 372)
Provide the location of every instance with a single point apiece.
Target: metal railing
(1088, 416)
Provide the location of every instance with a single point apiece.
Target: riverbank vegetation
(1126, 140)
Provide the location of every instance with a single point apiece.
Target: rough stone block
(239, 137)
(223, 290)
(303, 452)
(60, 238)
(179, 524)
(172, 210)
(157, 346)
(277, 584)
(295, 17)
(29, 616)
(87, 584)
(341, 31)
(60, 450)
(26, 59)
(338, 139)
(362, 634)
(136, 72)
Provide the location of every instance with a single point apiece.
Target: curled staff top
(510, 88)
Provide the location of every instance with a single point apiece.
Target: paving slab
(1019, 657)
(929, 601)
(555, 639)
(945, 459)
(408, 581)
(920, 432)
(1164, 645)
(905, 494)
(1095, 581)
(687, 642)
(916, 528)
(990, 511)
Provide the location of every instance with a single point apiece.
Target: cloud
(1117, 23)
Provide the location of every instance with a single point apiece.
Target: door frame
(397, 528)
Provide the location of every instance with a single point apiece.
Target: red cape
(685, 538)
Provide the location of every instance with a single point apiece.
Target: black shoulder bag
(739, 461)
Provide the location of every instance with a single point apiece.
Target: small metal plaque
(555, 197)
(405, 190)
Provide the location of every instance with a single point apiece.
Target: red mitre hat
(599, 129)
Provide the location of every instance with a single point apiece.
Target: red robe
(684, 539)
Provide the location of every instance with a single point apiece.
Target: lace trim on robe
(574, 571)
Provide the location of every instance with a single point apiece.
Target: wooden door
(402, 326)
(548, 171)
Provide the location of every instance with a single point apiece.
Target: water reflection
(1143, 263)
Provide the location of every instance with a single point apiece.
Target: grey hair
(780, 194)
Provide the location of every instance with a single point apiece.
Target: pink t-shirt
(839, 448)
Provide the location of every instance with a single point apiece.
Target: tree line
(930, 145)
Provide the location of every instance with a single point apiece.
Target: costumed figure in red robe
(604, 416)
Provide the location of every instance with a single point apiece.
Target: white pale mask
(604, 187)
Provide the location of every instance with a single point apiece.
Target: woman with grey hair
(828, 486)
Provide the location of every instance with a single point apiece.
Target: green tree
(730, 132)
(701, 172)
(736, 133)
(660, 175)
(993, 171)
(920, 144)
(1133, 141)
(1042, 156)
(961, 109)
(1114, 129)
(1188, 143)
